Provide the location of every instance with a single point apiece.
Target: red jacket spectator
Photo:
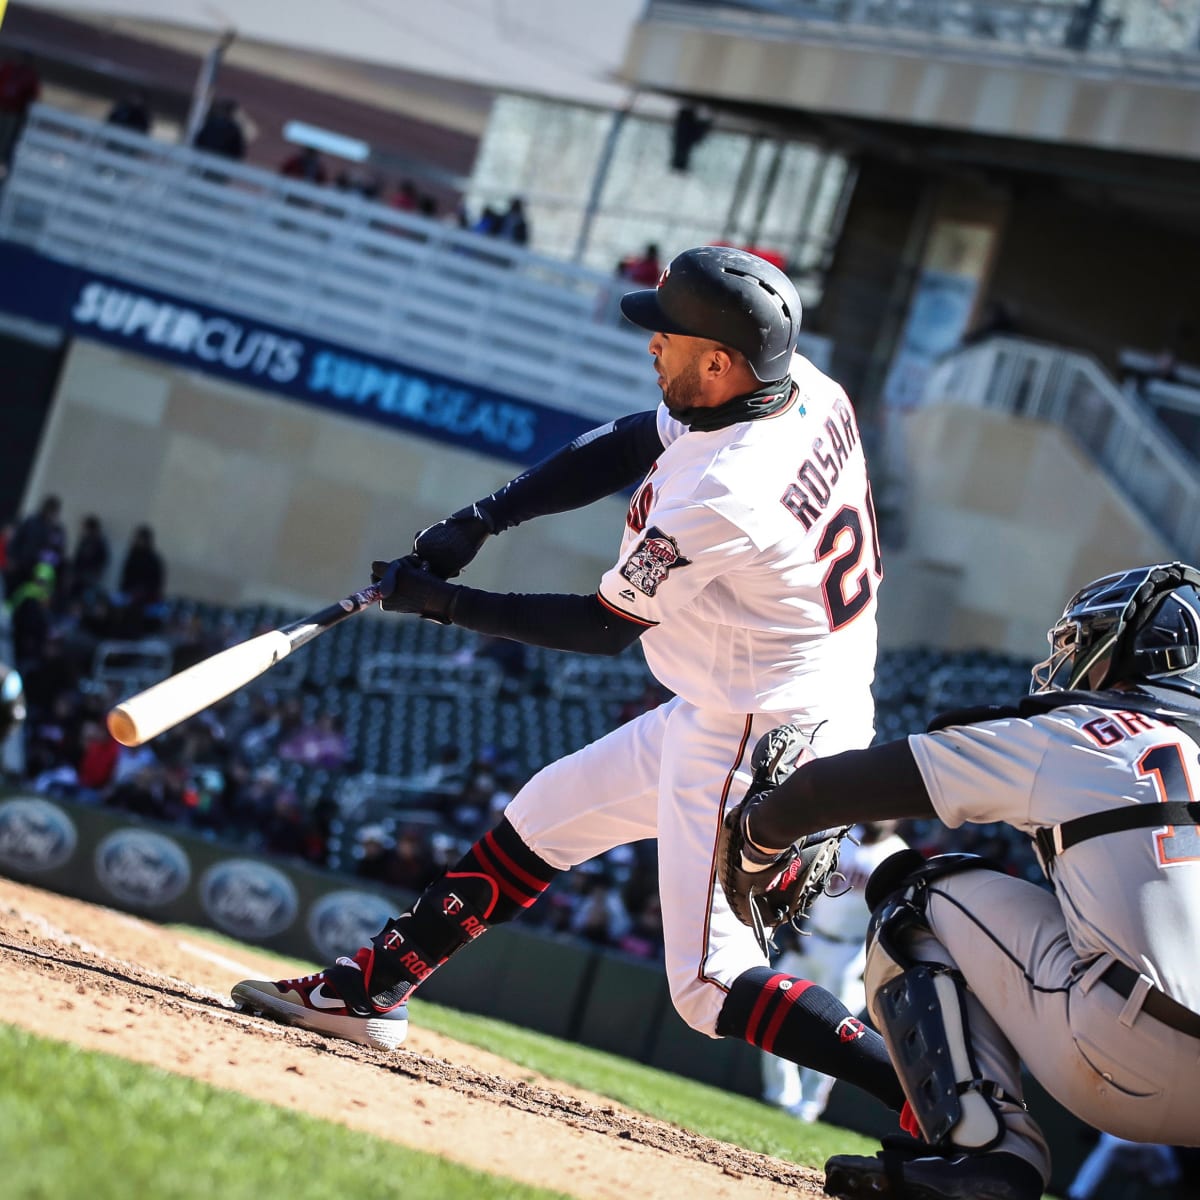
(20, 85)
(99, 758)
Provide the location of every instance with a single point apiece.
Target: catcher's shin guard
(921, 1010)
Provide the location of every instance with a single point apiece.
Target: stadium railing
(1073, 391)
(1152, 39)
(326, 262)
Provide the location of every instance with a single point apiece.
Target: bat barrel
(149, 713)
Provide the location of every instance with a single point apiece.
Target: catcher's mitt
(765, 890)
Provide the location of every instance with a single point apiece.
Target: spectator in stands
(143, 579)
(374, 854)
(221, 132)
(489, 221)
(513, 225)
(368, 186)
(405, 198)
(287, 831)
(306, 164)
(643, 268)
(600, 915)
(132, 112)
(998, 318)
(39, 538)
(20, 86)
(97, 760)
(89, 560)
(317, 743)
(191, 641)
(53, 744)
(131, 761)
(645, 936)
(405, 863)
(29, 614)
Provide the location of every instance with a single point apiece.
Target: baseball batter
(748, 568)
(1094, 985)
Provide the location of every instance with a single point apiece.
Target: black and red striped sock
(516, 877)
(800, 1021)
(495, 880)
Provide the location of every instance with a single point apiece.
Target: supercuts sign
(237, 348)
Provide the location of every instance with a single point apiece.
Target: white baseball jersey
(751, 553)
(1134, 895)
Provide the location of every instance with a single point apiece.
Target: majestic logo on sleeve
(654, 557)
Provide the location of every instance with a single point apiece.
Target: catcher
(970, 972)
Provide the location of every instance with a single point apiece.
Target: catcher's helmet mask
(728, 296)
(1138, 626)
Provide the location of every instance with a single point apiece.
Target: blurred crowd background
(334, 761)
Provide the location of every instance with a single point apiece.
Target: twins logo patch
(850, 1029)
(654, 557)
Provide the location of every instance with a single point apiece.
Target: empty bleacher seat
(586, 678)
(372, 797)
(427, 675)
(130, 666)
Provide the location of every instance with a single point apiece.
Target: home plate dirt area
(111, 982)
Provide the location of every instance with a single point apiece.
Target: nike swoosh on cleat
(318, 999)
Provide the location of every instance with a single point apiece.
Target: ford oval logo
(142, 868)
(340, 922)
(248, 899)
(35, 835)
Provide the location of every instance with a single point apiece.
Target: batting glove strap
(409, 586)
(452, 543)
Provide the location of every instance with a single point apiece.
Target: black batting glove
(450, 544)
(409, 586)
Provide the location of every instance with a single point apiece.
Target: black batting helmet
(1138, 626)
(728, 296)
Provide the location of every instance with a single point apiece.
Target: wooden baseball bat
(158, 708)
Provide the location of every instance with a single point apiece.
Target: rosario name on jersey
(1135, 894)
(751, 554)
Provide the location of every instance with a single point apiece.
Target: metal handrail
(1072, 390)
(328, 263)
(1129, 40)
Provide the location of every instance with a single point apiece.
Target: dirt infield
(110, 982)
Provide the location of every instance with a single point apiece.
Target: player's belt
(1159, 1005)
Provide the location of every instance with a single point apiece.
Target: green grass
(78, 1123)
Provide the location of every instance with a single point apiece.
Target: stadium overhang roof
(569, 49)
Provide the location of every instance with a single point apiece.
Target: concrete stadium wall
(1003, 519)
(255, 498)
